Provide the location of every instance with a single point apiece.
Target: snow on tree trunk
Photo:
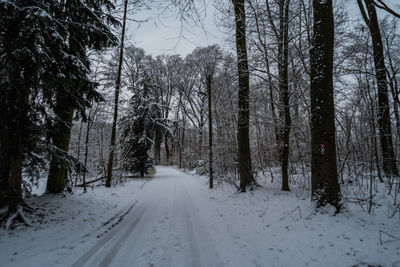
(244, 157)
(324, 179)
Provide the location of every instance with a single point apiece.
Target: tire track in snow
(114, 250)
(164, 230)
(200, 242)
(110, 237)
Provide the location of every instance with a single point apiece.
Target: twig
(392, 236)
(297, 208)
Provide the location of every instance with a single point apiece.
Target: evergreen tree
(32, 64)
(138, 132)
(87, 24)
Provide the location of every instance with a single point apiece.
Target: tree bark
(384, 124)
(64, 110)
(244, 157)
(324, 179)
(57, 177)
(167, 149)
(116, 101)
(284, 131)
(210, 133)
(157, 144)
(17, 150)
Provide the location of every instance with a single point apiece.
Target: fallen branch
(392, 236)
(297, 208)
(359, 200)
(90, 182)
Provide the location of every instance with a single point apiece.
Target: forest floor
(175, 220)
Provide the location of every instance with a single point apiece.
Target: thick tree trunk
(4, 168)
(56, 180)
(64, 110)
(210, 133)
(324, 180)
(116, 102)
(384, 124)
(15, 180)
(244, 157)
(14, 104)
(16, 155)
(157, 145)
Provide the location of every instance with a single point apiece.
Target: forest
(299, 103)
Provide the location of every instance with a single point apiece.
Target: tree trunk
(57, 177)
(16, 155)
(284, 131)
(116, 102)
(5, 166)
(244, 157)
(395, 105)
(384, 124)
(324, 180)
(210, 133)
(89, 126)
(272, 100)
(157, 144)
(64, 110)
(182, 145)
(167, 149)
(79, 153)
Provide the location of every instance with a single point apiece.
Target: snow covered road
(163, 229)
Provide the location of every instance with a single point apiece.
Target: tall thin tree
(116, 101)
(385, 129)
(283, 130)
(209, 79)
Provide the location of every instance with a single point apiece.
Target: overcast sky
(162, 35)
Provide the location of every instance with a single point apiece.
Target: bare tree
(116, 101)
(244, 156)
(325, 186)
(385, 129)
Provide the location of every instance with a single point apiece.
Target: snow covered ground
(175, 220)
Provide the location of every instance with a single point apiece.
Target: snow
(65, 226)
(175, 220)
